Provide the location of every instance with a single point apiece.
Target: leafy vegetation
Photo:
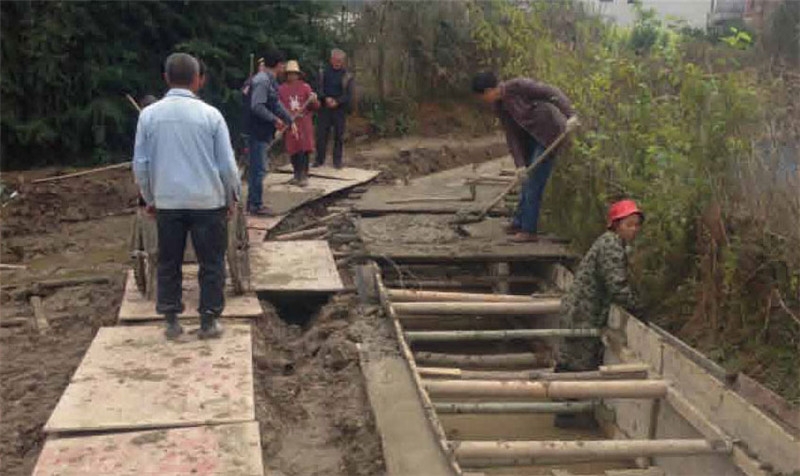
(67, 65)
(701, 135)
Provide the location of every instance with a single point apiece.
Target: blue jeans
(530, 197)
(259, 161)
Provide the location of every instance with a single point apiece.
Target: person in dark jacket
(266, 115)
(533, 115)
(335, 93)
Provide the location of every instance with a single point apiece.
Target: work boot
(173, 330)
(261, 211)
(303, 182)
(524, 237)
(511, 229)
(210, 328)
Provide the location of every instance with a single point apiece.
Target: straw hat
(292, 66)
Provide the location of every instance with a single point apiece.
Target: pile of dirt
(36, 368)
(311, 401)
(42, 207)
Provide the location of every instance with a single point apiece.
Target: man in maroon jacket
(533, 115)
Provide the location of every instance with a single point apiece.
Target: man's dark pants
(327, 119)
(259, 163)
(209, 231)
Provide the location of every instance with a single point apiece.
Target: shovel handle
(524, 176)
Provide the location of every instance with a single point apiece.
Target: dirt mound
(310, 397)
(42, 207)
(36, 368)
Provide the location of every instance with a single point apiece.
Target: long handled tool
(464, 217)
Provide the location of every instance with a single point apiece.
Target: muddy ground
(310, 397)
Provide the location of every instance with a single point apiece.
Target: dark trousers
(532, 190)
(209, 231)
(300, 165)
(259, 163)
(326, 119)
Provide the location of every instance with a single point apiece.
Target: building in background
(623, 12)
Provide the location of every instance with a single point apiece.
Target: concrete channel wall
(700, 404)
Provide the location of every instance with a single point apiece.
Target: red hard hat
(622, 209)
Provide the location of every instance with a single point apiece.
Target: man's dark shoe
(316, 165)
(338, 166)
(173, 329)
(210, 328)
(261, 211)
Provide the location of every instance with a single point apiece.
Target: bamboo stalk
(456, 373)
(556, 389)
(467, 281)
(526, 359)
(515, 407)
(505, 334)
(406, 295)
(624, 368)
(85, 172)
(12, 266)
(591, 450)
(544, 306)
(427, 404)
(41, 317)
(298, 235)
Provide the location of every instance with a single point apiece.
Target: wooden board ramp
(136, 308)
(294, 266)
(133, 378)
(231, 450)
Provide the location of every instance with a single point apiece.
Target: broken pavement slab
(133, 378)
(231, 450)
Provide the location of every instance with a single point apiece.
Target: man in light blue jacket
(185, 168)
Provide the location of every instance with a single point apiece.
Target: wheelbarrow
(144, 252)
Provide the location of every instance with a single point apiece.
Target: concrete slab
(445, 184)
(233, 450)
(426, 238)
(409, 445)
(294, 266)
(135, 308)
(133, 378)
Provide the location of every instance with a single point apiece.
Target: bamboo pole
(12, 266)
(456, 373)
(544, 306)
(585, 450)
(466, 281)
(504, 334)
(425, 399)
(85, 172)
(515, 407)
(556, 389)
(406, 295)
(526, 359)
(298, 235)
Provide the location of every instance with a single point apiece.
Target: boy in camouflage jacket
(601, 280)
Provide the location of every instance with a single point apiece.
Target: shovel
(464, 217)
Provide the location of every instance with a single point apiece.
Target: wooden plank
(136, 308)
(409, 446)
(784, 413)
(133, 378)
(345, 173)
(231, 450)
(294, 266)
